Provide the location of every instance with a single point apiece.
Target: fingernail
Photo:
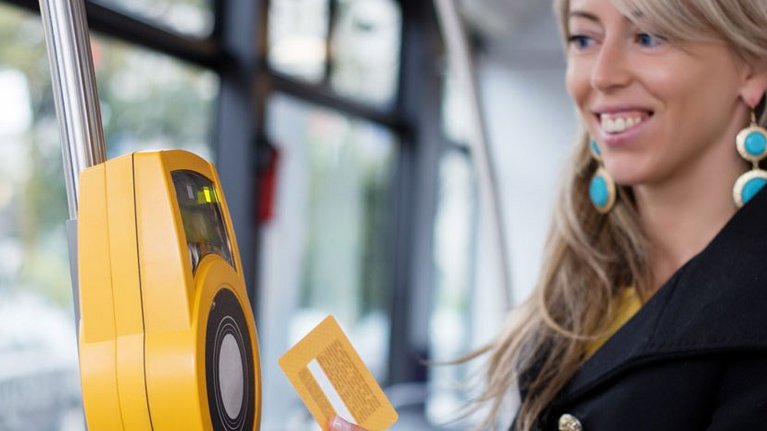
(339, 424)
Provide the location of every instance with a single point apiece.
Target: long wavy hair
(589, 257)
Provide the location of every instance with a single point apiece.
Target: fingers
(338, 424)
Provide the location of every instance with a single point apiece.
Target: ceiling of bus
(521, 33)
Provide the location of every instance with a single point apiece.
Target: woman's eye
(579, 41)
(649, 40)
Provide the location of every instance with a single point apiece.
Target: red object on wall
(267, 183)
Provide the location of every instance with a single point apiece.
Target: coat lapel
(716, 302)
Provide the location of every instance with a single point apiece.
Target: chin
(627, 177)
(631, 171)
(627, 180)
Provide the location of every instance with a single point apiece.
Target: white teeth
(618, 124)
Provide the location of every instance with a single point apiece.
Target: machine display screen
(201, 213)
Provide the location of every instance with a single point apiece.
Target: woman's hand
(338, 424)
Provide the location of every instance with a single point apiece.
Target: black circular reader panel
(229, 368)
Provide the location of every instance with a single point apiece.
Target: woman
(651, 311)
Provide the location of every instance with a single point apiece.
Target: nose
(611, 69)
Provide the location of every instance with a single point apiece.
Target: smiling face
(658, 109)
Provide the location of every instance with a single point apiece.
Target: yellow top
(627, 304)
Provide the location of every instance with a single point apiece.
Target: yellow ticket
(332, 380)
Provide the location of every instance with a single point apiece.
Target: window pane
(39, 379)
(327, 249)
(366, 47)
(298, 31)
(192, 17)
(151, 101)
(455, 124)
(454, 248)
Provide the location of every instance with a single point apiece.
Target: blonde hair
(590, 256)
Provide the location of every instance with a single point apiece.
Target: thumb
(339, 424)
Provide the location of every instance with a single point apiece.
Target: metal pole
(74, 89)
(77, 108)
(460, 58)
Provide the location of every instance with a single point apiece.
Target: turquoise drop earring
(752, 146)
(602, 186)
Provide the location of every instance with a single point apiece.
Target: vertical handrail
(77, 108)
(74, 89)
(460, 59)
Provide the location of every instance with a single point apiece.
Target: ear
(754, 84)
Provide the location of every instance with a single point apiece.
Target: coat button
(568, 422)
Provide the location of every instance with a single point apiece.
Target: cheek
(662, 80)
(689, 86)
(699, 100)
(578, 86)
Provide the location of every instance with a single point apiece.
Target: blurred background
(343, 140)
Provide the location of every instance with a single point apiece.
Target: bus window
(327, 249)
(297, 38)
(366, 50)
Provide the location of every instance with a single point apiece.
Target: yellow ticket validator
(332, 380)
(167, 337)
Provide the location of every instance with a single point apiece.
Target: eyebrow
(582, 14)
(591, 17)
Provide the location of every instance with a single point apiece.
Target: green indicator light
(206, 196)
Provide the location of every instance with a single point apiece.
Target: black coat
(695, 356)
